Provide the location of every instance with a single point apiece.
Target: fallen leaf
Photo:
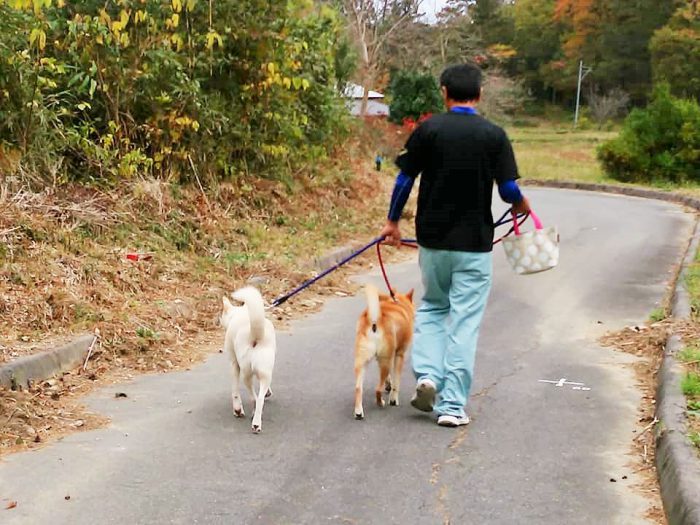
(11, 505)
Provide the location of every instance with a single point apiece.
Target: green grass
(692, 283)
(691, 384)
(689, 354)
(657, 314)
(695, 438)
(146, 333)
(552, 153)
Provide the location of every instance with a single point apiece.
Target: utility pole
(582, 72)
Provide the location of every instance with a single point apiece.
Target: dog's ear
(227, 303)
(410, 295)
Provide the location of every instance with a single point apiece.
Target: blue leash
(308, 283)
(505, 218)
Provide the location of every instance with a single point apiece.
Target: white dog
(251, 343)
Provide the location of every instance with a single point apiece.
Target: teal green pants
(457, 286)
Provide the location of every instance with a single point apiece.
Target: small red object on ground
(139, 256)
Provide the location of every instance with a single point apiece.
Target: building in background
(375, 104)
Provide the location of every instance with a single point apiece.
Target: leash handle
(514, 219)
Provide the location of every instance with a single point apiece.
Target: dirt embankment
(67, 266)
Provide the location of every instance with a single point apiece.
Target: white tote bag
(532, 251)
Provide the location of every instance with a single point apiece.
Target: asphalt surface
(534, 452)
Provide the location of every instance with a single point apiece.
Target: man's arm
(510, 193)
(506, 176)
(410, 161)
(399, 197)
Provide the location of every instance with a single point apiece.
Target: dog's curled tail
(256, 310)
(373, 310)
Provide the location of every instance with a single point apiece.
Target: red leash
(381, 264)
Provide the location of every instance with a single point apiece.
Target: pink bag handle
(535, 219)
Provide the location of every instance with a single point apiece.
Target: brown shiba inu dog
(384, 331)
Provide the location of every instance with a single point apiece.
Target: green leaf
(75, 79)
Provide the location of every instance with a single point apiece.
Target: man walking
(459, 155)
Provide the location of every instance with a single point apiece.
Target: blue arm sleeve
(510, 192)
(399, 197)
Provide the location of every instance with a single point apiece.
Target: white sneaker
(447, 420)
(424, 398)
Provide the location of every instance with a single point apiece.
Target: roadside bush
(176, 89)
(660, 142)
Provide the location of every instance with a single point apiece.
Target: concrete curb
(677, 462)
(325, 262)
(37, 367)
(629, 191)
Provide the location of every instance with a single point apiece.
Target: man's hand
(391, 233)
(522, 207)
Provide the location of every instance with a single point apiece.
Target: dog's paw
(256, 429)
(268, 393)
(359, 416)
(380, 400)
(393, 402)
(239, 412)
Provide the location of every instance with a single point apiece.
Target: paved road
(534, 453)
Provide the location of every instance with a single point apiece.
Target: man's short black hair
(463, 82)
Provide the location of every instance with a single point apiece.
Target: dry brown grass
(63, 267)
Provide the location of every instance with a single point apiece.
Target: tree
(537, 42)
(613, 37)
(430, 47)
(603, 107)
(413, 95)
(455, 35)
(675, 52)
(345, 59)
(627, 27)
(494, 20)
(503, 96)
(411, 48)
(372, 23)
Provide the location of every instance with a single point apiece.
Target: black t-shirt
(459, 156)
